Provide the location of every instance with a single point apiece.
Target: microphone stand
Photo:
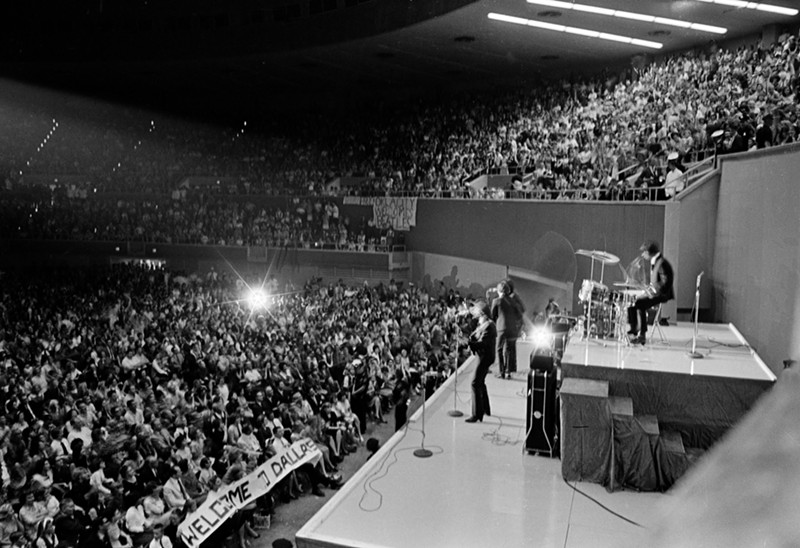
(694, 354)
(422, 452)
(455, 412)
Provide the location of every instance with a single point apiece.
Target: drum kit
(605, 310)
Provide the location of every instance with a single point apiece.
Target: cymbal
(603, 256)
(627, 285)
(634, 292)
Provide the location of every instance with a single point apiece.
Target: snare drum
(592, 290)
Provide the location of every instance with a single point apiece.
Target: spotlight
(257, 298)
(541, 337)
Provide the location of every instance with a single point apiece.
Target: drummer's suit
(661, 291)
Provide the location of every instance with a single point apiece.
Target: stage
(725, 353)
(480, 488)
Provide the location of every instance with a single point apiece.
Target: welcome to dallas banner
(217, 508)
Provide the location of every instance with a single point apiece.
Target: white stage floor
(480, 488)
(725, 353)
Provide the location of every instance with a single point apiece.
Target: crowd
(131, 394)
(606, 137)
(308, 223)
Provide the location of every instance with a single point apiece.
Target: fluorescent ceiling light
(753, 6)
(630, 15)
(635, 16)
(574, 30)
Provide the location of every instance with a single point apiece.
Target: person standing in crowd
(675, 180)
(658, 291)
(400, 395)
(507, 312)
(764, 135)
(483, 343)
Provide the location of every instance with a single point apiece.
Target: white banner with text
(220, 506)
(389, 211)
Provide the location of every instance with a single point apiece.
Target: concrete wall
(756, 273)
(467, 276)
(519, 233)
(690, 227)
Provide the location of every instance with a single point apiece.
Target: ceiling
(191, 54)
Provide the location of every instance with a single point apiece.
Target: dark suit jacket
(507, 313)
(482, 342)
(148, 475)
(662, 278)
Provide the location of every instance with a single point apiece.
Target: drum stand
(657, 326)
(603, 258)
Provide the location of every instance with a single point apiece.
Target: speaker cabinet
(542, 417)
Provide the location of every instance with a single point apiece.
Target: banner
(217, 508)
(399, 213)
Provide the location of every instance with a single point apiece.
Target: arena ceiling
(235, 56)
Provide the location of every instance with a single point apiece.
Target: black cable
(688, 346)
(601, 505)
(728, 345)
(381, 473)
(499, 439)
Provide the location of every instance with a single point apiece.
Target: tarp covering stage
(701, 408)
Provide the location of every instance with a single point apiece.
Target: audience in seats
(581, 139)
(99, 454)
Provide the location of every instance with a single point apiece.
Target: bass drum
(602, 320)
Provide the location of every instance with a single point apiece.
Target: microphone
(699, 276)
(461, 311)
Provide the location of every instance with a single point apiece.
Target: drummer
(659, 291)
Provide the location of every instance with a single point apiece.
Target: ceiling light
(753, 6)
(573, 30)
(636, 16)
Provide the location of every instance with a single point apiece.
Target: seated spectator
(190, 482)
(248, 442)
(159, 540)
(71, 524)
(98, 479)
(138, 524)
(115, 531)
(46, 534)
(154, 507)
(9, 524)
(31, 513)
(175, 494)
